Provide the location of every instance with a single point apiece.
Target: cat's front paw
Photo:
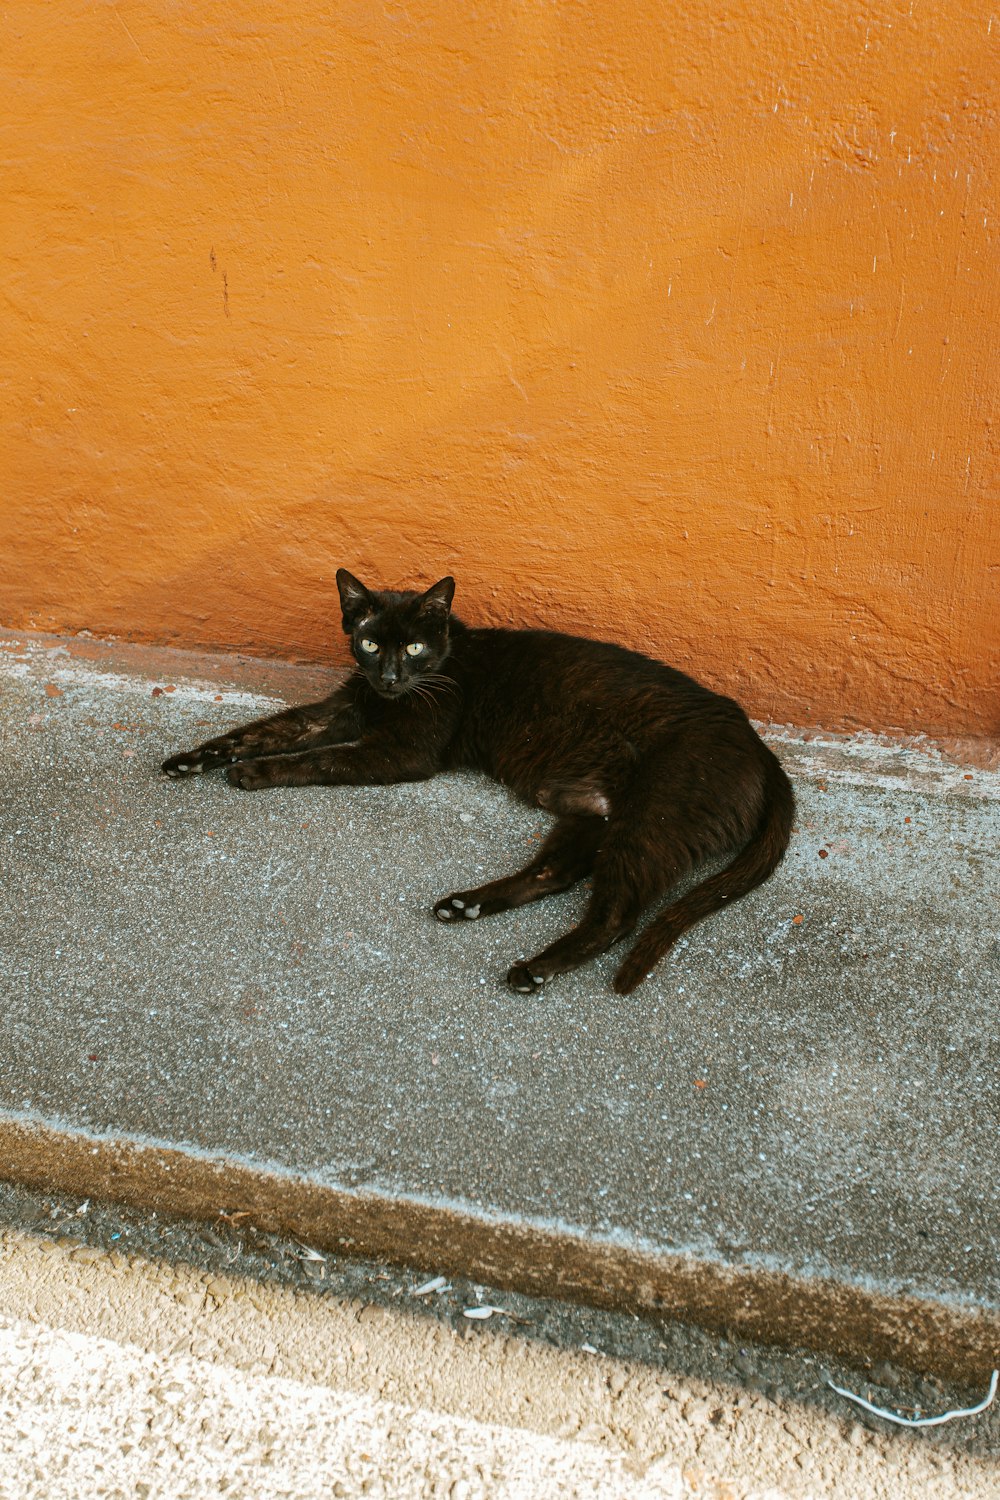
(187, 763)
(248, 776)
(521, 979)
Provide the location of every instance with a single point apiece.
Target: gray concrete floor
(790, 1128)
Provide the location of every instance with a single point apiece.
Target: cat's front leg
(294, 728)
(368, 762)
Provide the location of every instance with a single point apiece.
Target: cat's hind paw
(521, 979)
(456, 909)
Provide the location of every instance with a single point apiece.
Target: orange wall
(674, 320)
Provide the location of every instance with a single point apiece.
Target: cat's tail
(751, 867)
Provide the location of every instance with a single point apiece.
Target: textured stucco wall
(670, 321)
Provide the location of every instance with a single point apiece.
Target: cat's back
(568, 669)
(536, 687)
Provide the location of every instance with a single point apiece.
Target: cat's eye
(414, 648)
(369, 646)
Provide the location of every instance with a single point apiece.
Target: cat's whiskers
(439, 680)
(425, 691)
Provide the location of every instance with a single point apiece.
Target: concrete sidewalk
(221, 1000)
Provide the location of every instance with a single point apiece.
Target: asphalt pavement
(221, 1000)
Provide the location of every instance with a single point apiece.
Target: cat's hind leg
(624, 884)
(566, 856)
(293, 729)
(683, 806)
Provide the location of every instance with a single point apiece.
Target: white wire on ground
(948, 1416)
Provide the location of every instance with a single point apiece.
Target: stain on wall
(669, 322)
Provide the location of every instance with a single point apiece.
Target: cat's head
(396, 638)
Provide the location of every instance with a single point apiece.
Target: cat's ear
(355, 600)
(437, 599)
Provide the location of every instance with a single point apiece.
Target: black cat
(647, 772)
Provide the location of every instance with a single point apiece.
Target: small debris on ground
(436, 1284)
(305, 1252)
